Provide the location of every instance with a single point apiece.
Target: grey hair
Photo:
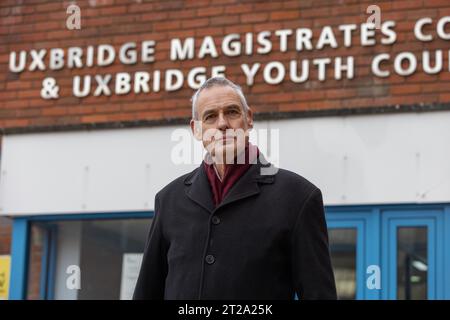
(218, 82)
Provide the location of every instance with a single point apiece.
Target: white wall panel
(371, 159)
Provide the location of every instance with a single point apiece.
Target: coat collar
(199, 190)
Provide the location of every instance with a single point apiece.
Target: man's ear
(250, 118)
(196, 128)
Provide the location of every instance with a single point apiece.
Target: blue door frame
(373, 246)
(20, 248)
(19, 259)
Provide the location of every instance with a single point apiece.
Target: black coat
(266, 240)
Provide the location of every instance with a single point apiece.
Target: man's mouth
(225, 138)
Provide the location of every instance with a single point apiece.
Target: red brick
(284, 15)
(167, 25)
(254, 17)
(239, 8)
(194, 23)
(141, 7)
(116, 10)
(224, 20)
(210, 11)
(50, 7)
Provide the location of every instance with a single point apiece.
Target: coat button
(215, 220)
(210, 259)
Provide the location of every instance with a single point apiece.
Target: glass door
(353, 247)
(412, 245)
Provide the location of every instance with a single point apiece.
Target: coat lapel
(199, 189)
(200, 192)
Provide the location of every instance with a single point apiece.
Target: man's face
(223, 123)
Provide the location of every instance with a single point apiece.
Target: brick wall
(35, 24)
(35, 263)
(5, 236)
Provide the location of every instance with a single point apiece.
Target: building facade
(94, 113)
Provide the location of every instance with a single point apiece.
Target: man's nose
(222, 123)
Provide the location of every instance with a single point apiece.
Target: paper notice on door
(5, 265)
(131, 264)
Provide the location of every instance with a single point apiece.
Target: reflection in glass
(108, 254)
(412, 263)
(343, 256)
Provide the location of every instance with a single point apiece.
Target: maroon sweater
(232, 174)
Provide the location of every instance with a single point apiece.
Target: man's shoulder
(177, 184)
(293, 181)
(296, 189)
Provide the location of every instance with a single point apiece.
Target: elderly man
(234, 228)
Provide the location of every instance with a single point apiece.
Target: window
(100, 257)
